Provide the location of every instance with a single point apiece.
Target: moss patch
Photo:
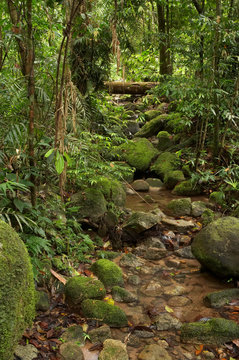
(187, 188)
(153, 126)
(80, 288)
(17, 293)
(165, 140)
(165, 163)
(108, 272)
(180, 207)
(113, 190)
(172, 178)
(109, 314)
(220, 298)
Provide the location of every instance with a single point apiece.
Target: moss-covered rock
(165, 140)
(220, 298)
(172, 178)
(104, 254)
(138, 153)
(216, 247)
(79, 288)
(74, 333)
(140, 221)
(207, 217)
(180, 207)
(71, 351)
(151, 114)
(91, 203)
(154, 182)
(109, 314)
(17, 293)
(100, 334)
(140, 185)
(121, 295)
(215, 331)
(198, 207)
(113, 350)
(112, 190)
(218, 198)
(108, 272)
(153, 126)
(165, 163)
(187, 188)
(42, 301)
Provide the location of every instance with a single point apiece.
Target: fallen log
(121, 87)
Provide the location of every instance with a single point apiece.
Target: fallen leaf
(168, 309)
(58, 276)
(198, 351)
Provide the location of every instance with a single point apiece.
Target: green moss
(165, 140)
(151, 114)
(108, 272)
(109, 314)
(42, 301)
(80, 288)
(91, 203)
(153, 126)
(110, 255)
(172, 178)
(217, 197)
(220, 298)
(138, 153)
(113, 190)
(215, 331)
(180, 207)
(187, 188)
(208, 216)
(17, 293)
(165, 163)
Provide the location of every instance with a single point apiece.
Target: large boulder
(91, 204)
(187, 188)
(216, 247)
(165, 163)
(17, 293)
(180, 207)
(138, 153)
(140, 221)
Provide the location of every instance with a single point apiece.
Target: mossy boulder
(208, 216)
(113, 350)
(112, 190)
(108, 272)
(154, 182)
(187, 188)
(165, 163)
(218, 198)
(17, 292)
(42, 301)
(107, 313)
(100, 334)
(121, 295)
(172, 178)
(180, 207)
(140, 221)
(140, 185)
(218, 299)
(91, 204)
(79, 288)
(215, 331)
(151, 114)
(74, 333)
(138, 153)
(153, 126)
(216, 247)
(165, 140)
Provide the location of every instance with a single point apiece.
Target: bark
(118, 87)
(163, 36)
(200, 7)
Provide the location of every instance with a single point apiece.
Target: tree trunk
(119, 87)
(163, 39)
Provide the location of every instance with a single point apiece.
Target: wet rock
(154, 182)
(215, 331)
(159, 213)
(131, 261)
(71, 351)
(149, 199)
(74, 333)
(130, 191)
(166, 321)
(140, 221)
(108, 272)
(153, 288)
(137, 316)
(172, 178)
(154, 352)
(91, 204)
(185, 253)
(121, 295)
(28, 352)
(180, 207)
(42, 301)
(140, 185)
(182, 226)
(150, 253)
(100, 334)
(79, 288)
(216, 247)
(134, 341)
(113, 350)
(154, 242)
(184, 240)
(144, 334)
(173, 263)
(198, 207)
(179, 301)
(138, 153)
(175, 290)
(187, 188)
(134, 280)
(220, 298)
(109, 314)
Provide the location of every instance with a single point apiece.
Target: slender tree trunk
(163, 36)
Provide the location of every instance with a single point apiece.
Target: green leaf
(19, 204)
(49, 152)
(59, 163)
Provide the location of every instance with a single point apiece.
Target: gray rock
(131, 261)
(121, 295)
(100, 334)
(134, 280)
(153, 288)
(185, 253)
(140, 185)
(74, 333)
(198, 207)
(154, 352)
(179, 301)
(139, 222)
(166, 321)
(180, 207)
(154, 242)
(28, 352)
(150, 253)
(181, 226)
(113, 350)
(42, 301)
(71, 351)
(220, 298)
(154, 182)
(216, 247)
